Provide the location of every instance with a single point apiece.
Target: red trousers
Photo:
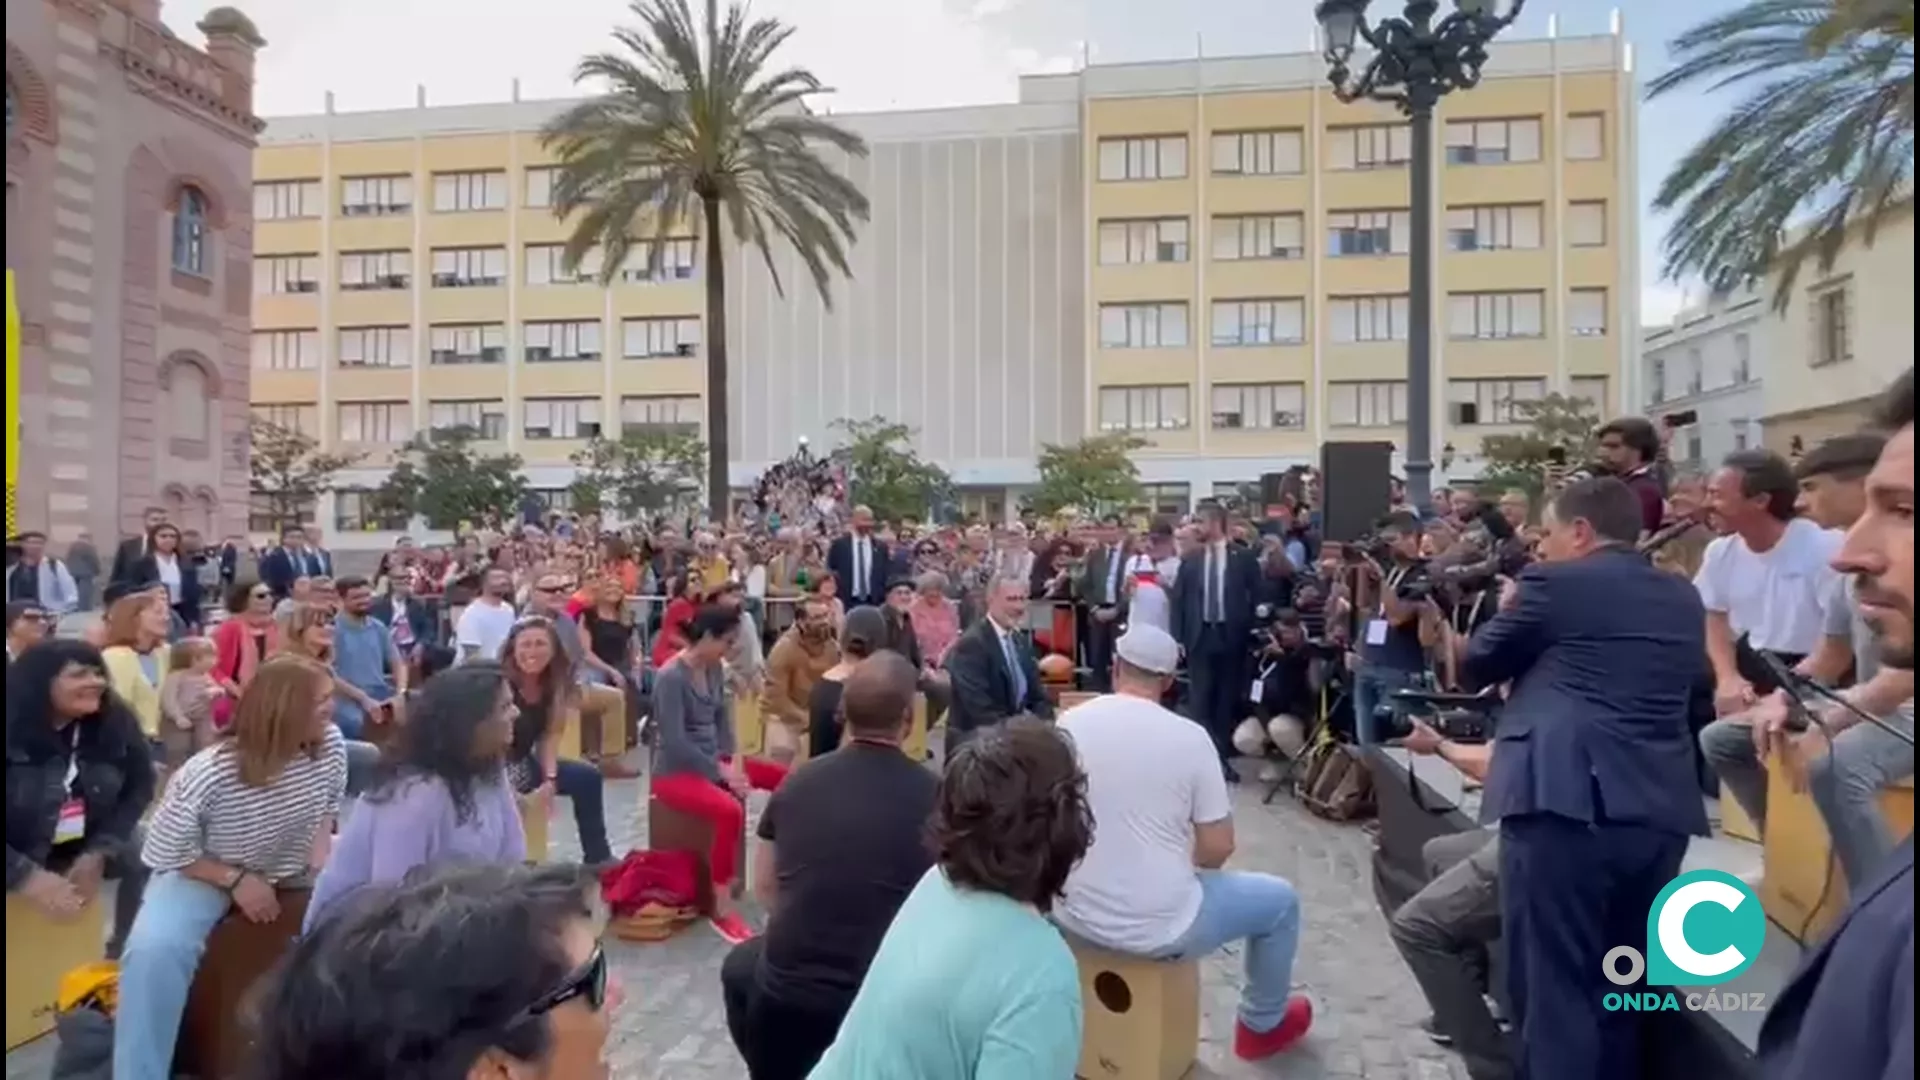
(693, 794)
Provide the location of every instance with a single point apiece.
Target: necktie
(859, 567)
(1017, 676)
(1213, 586)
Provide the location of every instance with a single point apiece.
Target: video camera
(1376, 547)
(1462, 718)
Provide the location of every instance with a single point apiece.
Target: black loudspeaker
(1356, 488)
(1271, 486)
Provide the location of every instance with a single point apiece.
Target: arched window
(190, 232)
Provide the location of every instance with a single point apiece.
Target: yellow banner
(13, 406)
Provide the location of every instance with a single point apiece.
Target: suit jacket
(982, 684)
(129, 553)
(1240, 593)
(1848, 1011)
(1091, 588)
(278, 569)
(319, 562)
(419, 619)
(189, 606)
(840, 565)
(1603, 653)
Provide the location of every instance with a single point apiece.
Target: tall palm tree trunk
(719, 451)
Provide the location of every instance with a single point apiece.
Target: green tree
(1820, 148)
(1556, 427)
(884, 471)
(441, 478)
(639, 474)
(699, 124)
(288, 473)
(1095, 474)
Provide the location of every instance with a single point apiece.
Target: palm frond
(1821, 144)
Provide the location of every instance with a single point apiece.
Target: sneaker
(731, 927)
(1251, 1045)
(1440, 1038)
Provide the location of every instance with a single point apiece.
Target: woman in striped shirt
(238, 820)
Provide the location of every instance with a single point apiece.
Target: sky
(876, 54)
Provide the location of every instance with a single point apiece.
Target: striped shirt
(208, 813)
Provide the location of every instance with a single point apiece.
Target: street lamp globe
(1475, 8)
(1339, 25)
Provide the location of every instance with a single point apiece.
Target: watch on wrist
(234, 878)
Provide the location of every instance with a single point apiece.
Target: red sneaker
(1251, 1045)
(731, 928)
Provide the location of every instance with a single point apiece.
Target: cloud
(1660, 303)
(985, 9)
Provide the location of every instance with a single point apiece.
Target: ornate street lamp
(1411, 61)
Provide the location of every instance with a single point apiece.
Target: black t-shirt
(849, 837)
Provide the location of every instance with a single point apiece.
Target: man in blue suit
(1592, 780)
(1848, 1012)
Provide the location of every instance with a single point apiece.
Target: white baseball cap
(1149, 648)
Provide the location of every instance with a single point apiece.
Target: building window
(1742, 359)
(468, 343)
(1695, 451)
(1496, 315)
(1832, 329)
(1153, 240)
(540, 180)
(660, 415)
(1696, 371)
(1587, 224)
(1257, 153)
(1492, 142)
(1165, 500)
(1369, 146)
(1259, 236)
(1494, 228)
(1659, 379)
(546, 265)
(1259, 322)
(560, 342)
(190, 232)
(1381, 403)
(555, 500)
(1586, 137)
(267, 512)
(640, 338)
(1144, 408)
(376, 196)
(1143, 326)
(286, 350)
(1367, 318)
(477, 267)
(1369, 232)
(301, 419)
(1471, 402)
(285, 200)
(388, 422)
(560, 418)
(358, 510)
(486, 419)
(1587, 312)
(371, 271)
(1740, 438)
(1265, 406)
(676, 261)
(1162, 157)
(1591, 389)
(286, 275)
(376, 346)
(461, 191)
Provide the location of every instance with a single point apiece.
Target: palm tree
(1822, 143)
(695, 118)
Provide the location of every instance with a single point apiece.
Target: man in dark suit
(992, 668)
(1592, 777)
(411, 621)
(319, 559)
(1848, 1012)
(1213, 619)
(1102, 592)
(859, 562)
(281, 566)
(134, 548)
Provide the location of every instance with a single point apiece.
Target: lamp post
(1412, 60)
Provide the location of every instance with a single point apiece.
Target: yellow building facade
(1208, 253)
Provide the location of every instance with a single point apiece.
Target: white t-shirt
(484, 628)
(1150, 605)
(1151, 774)
(1777, 598)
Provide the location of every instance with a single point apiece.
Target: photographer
(1392, 597)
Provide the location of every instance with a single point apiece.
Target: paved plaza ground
(671, 1025)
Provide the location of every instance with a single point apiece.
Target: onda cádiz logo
(1705, 928)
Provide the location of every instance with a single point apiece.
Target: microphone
(1800, 690)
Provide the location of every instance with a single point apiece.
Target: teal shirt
(966, 986)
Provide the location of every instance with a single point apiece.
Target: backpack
(1334, 782)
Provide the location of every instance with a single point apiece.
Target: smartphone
(1557, 455)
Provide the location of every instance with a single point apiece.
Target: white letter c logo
(1673, 921)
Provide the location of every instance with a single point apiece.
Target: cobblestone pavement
(671, 1025)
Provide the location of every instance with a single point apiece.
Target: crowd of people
(376, 741)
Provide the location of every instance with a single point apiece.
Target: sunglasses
(588, 982)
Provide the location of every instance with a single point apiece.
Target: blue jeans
(1265, 912)
(1373, 686)
(156, 972)
(582, 784)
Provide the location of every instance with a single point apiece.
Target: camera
(1461, 718)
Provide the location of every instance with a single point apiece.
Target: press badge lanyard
(1377, 627)
(73, 811)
